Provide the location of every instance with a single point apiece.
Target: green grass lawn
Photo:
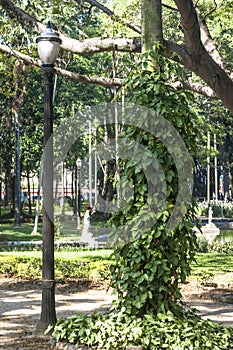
(65, 229)
(94, 255)
(22, 233)
(212, 263)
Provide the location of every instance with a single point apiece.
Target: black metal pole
(48, 312)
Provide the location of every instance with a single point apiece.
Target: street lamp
(48, 49)
(78, 165)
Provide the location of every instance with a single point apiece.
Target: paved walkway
(20, 309)
(218, 312)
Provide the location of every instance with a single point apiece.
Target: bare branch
(211, 11)
(88, 46)
(88, 79)
(169, 7)
(103, 8)
(62, 72)
(95, 45)
(27, 59)
(200, 89)
(195, 87)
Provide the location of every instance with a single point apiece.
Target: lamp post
(48, 49)
(78, 165)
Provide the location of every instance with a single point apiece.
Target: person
(86, 236)
(87, 218)
(24, 197)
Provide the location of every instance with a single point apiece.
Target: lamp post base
(48, 312)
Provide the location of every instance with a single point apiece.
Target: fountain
(210, 230)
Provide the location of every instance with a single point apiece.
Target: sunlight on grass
(22, 233)
(102, 254)
(212, 263)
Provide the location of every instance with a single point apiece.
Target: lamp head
(48, 46)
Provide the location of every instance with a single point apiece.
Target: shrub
(22, 267)
(204, 247)
(219, 209)
(30, 268)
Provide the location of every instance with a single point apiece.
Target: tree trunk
(198, 59)
(29, 193)
(151, 23)
(20, 75)
(75, 190)
(35, 229)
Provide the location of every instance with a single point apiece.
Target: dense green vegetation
(116, 331)
(158, 254)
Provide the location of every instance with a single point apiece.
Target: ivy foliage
(150, 266)
(116, 331)
(151, 262)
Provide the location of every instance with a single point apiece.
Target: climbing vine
(152, 262)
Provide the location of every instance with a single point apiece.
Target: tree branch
(190, 26)
(62, 72)
(88, 79)
(203, 64)
(88, 46)
(195, 87)
(200, 89)
(95, 45)
(209, 43)
(206, 91)
(111, 14)
(23, 17)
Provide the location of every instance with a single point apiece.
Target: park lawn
(211, 265)
(21, 233)
(9, 233)
(93, 255)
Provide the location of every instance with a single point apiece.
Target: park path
(20, 307)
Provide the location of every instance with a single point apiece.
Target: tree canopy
(195, 34)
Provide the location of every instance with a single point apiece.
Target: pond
(225, 236)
